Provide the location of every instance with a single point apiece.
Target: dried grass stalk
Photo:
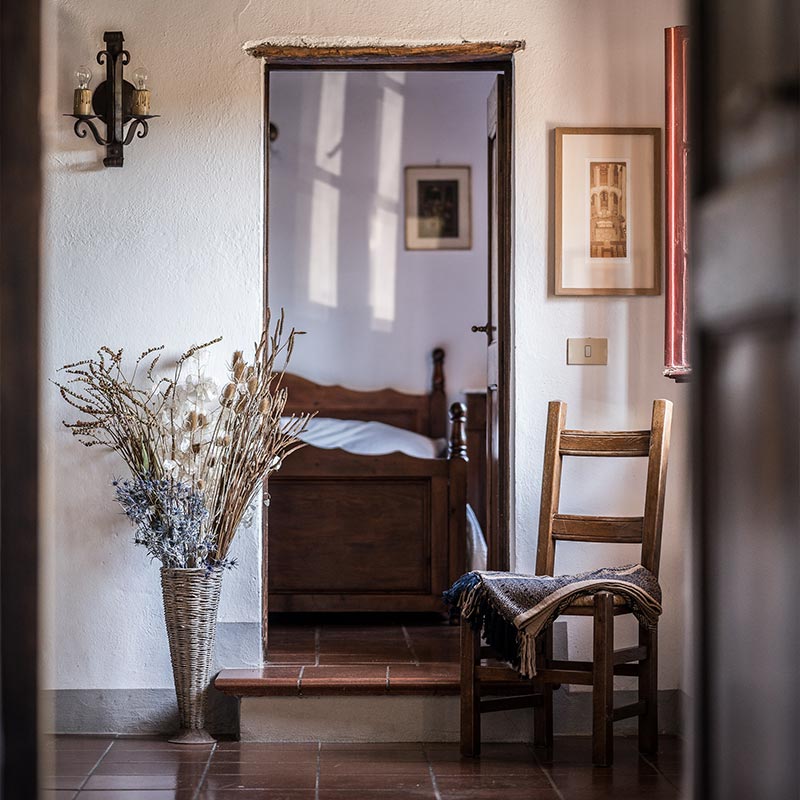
(232, 447)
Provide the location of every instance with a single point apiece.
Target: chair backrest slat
(621, 444)
(574, 528)
(656, 484)
(644, 530)
(551, 487)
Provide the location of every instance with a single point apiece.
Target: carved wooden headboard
(421, 413)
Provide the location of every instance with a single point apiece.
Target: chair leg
(603, 681)
(648, 692)
(470, 691)
(543, 714)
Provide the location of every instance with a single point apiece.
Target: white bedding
(370, 438)
(378, 438)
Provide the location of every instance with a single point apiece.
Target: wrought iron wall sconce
(123, 107)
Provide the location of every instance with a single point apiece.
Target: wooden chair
(640, 661)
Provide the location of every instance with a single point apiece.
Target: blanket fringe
(467, 597)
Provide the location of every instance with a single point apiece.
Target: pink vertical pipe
(676, 340)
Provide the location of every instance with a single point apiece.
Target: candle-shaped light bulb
(82, 99)
(141, 94)
(83, 75)
(140, 76)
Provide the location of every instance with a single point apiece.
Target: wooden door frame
(495, 57)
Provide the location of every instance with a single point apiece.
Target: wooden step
(430, 678)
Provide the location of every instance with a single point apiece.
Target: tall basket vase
(191, 601)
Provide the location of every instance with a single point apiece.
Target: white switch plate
(587, 351)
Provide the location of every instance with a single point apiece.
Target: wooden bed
(369, 533)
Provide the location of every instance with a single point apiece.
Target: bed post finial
(438, 370)
(437, 414)
(457, 447)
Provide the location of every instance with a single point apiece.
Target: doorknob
(483, 328)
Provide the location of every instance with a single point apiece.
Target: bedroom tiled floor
(353, 654)
(102, 768)
(333, 640)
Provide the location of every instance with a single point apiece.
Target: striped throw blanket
(511, 609)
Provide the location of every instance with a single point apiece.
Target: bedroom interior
(314, 289)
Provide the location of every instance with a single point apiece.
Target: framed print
(608, 211)
(438, 213)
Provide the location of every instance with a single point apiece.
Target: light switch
(587, 351)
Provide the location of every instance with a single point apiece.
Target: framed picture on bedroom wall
(608, 211)
(438, 208)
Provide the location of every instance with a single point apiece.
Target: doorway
(342, 74)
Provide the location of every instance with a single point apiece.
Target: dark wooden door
(497, 400)
(20, 241)
(745, 274)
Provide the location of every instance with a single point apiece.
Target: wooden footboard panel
(364, 533)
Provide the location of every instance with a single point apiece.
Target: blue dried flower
(168, 516)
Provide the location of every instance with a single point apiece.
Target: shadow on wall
(338, 264)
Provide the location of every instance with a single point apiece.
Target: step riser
(425, 718)
(371, 719)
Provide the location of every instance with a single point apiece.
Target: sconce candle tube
(82, 103)
(141, 102)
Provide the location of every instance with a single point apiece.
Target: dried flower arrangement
(197, 456)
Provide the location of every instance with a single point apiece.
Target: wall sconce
(123, 107)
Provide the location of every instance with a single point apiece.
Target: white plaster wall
(168, 249)
(373, 310)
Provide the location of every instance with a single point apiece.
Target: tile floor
(104, 768)
(339, 639)
(353, 654)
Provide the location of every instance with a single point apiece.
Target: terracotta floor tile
(278, 659)
(158, 744)
(332, 768)
(406, 793)
(184, 770)
(64, 765)
(271, 679)
(257, 794)
(513, 752)
(485, 766)
(152, 769)
(80, 741)
(68, 782)
(279, 773)
(518, 793)
(138, 794)
(139, 782)
(581, 778)
(380, 782)
(385, 657)
(186, 755)
(484, 782)
(279, 779)
(266, 753)
(370, 749)
(425, 677)
(355, 679)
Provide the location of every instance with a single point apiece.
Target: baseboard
(133, 711)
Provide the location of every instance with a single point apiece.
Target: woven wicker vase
(191, 600)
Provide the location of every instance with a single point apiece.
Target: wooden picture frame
(607, 211)
(438, 208)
